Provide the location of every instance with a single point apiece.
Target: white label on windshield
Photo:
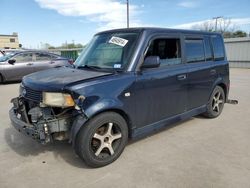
(118, 41)
(117, 66)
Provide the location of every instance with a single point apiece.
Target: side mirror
(151, 62)
(12, 61)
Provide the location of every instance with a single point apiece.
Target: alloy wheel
(217, 102)
(106, 140)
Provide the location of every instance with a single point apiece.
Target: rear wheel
(102, 140)
(216, 103)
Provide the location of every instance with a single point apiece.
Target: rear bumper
(22, 126)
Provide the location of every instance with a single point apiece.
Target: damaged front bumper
(41, 123)
(22, 126)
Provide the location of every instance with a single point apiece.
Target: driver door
(162, 91)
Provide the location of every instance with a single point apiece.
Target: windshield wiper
(96, 68)
(89, 67)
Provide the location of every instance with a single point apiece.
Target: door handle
(213, 72)
(182, 77)
(52, 62)
(30, 64)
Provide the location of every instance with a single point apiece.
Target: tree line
(225, 26)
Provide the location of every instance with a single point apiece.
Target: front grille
(31, 94)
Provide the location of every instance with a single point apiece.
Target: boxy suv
(127, 83)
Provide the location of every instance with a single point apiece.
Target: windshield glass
(6, 57)
(108, 51)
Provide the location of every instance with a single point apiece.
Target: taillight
(71, 61)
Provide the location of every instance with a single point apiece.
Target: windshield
(6, 57)
(108, 51)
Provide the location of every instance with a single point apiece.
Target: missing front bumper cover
(45, 126)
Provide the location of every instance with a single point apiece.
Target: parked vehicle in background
(126, 84)
(14, 66)
(1, 53)
(11, 51)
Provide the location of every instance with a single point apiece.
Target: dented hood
(57, 78)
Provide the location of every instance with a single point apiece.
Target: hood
(56, 79)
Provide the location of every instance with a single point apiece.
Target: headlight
(57, 99)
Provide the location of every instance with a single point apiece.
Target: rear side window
(218, 48)
(194, 50)
(208, 50)
(168, 50)
(42, 57)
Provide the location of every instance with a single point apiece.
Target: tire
(216, 103)
(102, 140)
(1, 79)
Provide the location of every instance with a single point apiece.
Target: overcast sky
(57, 21)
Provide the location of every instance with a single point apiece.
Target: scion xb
(126, 84)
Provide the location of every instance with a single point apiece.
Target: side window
(218, 48)
(194, 50)
(42, 57)
(208, 50)
(168, 50)
(23, 57)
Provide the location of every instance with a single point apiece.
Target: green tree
(239, 33)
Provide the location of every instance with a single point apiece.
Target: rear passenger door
(200, 73)
(161, 92)
(43, 61)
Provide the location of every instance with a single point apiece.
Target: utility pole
(127, 13)
(216, 21)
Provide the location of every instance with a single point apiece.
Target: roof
(157, 29)
(8, 35)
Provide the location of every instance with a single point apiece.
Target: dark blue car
(126, 83)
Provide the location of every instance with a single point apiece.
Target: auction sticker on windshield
(118, 41)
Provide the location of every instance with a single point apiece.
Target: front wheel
(102, 140)
(216, 103)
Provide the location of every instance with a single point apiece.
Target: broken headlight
(58, 99)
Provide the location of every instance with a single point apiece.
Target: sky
(58, 21)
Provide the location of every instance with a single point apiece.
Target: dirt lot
(196, 153)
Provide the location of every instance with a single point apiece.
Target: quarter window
(42, 57)
(194, 50)
(168, 50)
(218, 48)
(208, 50)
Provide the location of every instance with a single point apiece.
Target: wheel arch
(220, 82)
(224, 87)
(121, 113)
(81, 120)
